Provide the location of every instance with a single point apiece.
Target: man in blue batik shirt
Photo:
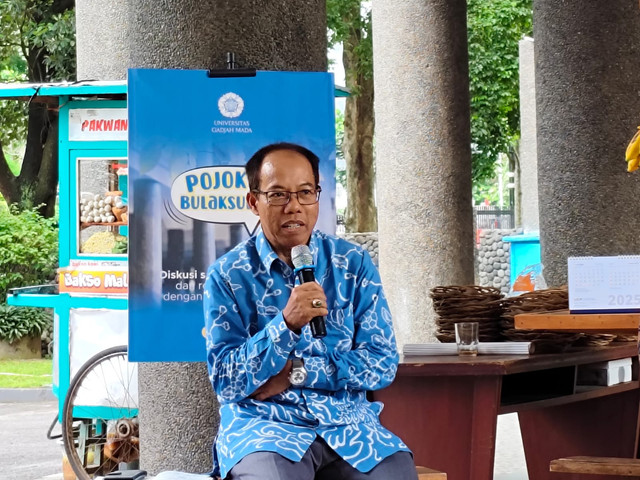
(292, 406)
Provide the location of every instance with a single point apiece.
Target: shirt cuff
(283, 338)
(324, 374)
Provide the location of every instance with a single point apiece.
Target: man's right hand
(276, 384)
(300, 310)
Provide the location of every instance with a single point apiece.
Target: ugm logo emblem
(230, 105)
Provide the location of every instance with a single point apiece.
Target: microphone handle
(318, 327)
(317, 324)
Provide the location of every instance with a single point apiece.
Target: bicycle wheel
(100, 415)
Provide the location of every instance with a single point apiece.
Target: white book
(608, 373)
(484, 348)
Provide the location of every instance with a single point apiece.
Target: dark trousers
(320, 462)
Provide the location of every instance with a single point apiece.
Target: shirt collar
(268, 256)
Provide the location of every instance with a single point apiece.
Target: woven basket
(595, 340)
(467, 303)
(464, 291)
(538, 301)
(626, 338)
(468, 308)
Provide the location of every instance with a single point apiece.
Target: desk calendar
(604, 284)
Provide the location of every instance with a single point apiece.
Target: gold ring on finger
(316, 303)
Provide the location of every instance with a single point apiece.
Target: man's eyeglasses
(308, 196)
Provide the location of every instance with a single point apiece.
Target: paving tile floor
(509, 461)
(26, 454)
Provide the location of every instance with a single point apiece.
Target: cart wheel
(100, 415)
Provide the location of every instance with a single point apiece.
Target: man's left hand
(275, 385)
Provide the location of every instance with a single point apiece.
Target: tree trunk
(8, 181)
(36, 185)
(46, 188)
(357, 145)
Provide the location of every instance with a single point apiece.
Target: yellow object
(67, 470)
(100, 242)
(632, 154)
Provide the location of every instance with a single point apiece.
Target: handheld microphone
(303, 261)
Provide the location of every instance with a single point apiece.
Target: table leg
(448, 422)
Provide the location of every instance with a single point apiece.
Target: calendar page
(604, 284)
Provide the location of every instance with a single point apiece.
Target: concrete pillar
(273, 35)
(527, 193)
(102, 45)
(423, 156)
(588, 99)
(178, 410)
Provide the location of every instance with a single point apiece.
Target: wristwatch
(298, 373)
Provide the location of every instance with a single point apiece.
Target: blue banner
(189, 139)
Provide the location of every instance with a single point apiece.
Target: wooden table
(446, 407)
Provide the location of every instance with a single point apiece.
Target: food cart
(95, 386)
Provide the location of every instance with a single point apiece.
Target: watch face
(298, 376)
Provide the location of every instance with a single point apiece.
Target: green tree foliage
(18, 322)
(349, 23)
(29, 246)
(494, 29)
(349, 20)
(341, 173)
(37, 45)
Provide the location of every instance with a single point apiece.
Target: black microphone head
(301, 256)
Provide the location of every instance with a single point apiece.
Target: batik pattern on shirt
(248, 342)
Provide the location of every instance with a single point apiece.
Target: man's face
(285, 226)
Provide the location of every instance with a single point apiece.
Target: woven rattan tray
(467, 303)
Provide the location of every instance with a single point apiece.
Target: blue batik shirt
(248, 342)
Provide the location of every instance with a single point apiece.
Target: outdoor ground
(509, 463)
(25, 451)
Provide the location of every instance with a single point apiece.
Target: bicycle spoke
(100, 415)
